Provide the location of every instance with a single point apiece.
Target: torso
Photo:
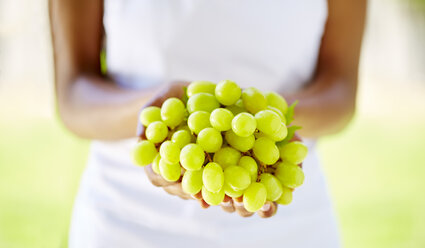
(268, 44)
(272, 45)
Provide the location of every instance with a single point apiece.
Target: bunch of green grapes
(225, 141)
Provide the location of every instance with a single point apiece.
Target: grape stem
(263, 167)
(208, 157)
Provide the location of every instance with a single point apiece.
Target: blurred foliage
(103, 65)
(417, 4)
(375, 171)
(40, 165)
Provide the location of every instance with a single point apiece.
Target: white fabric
(268, 44)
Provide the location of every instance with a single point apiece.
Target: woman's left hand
(175, 188)
(229, 204)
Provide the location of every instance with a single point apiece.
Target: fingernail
(265, 207)
(239, 204)
(226, 204)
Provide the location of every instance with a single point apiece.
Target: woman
(306, 50)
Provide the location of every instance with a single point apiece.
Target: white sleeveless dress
(270, 44)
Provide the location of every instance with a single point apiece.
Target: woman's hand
(229, 204)
(175, 89)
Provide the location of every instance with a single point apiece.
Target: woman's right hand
(175, 89)
(174, 188)
(229, 204)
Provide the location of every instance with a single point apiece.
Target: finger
(239, 207)
(176, 189)
(198, 195)
(267, 210)
(160, 95)
(227, 204)
(201, 201)
(175, 89)
(156, 179)
(140, 132)
(203, 204)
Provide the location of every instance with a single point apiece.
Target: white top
(270, 44)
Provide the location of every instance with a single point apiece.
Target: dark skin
(86, 98)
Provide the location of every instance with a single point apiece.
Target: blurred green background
(375, 168)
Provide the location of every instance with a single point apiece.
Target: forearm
(94, 107)
(325, 106)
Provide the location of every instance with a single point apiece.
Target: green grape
(253, 100)
(266, 150)
(170, 152)
(250, 165)
(237, 177)
(277, 136)
(268, 121)
(192, 182)
(144, 153)
(183, 126)
(210, 139)
(242, 144)
(221, 119)
(173, 112)
(181, 138)
(279, 113)
(239, 104)
(202, 102)
(231, 192)
(293, 152)
(227, 92)
(186, 127)
(212, 198)
(200, 87)
(254, 197)
(169, 171)
(277, 101)
(286, 196)
(290, 175)
(244, 124)
(213, 177)
(281, 133)
(149, 115)
(227, 156)
(235, 109)
(273, 186)
(198, 121)
(192, 157)
(155, 164)
(156, 132)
